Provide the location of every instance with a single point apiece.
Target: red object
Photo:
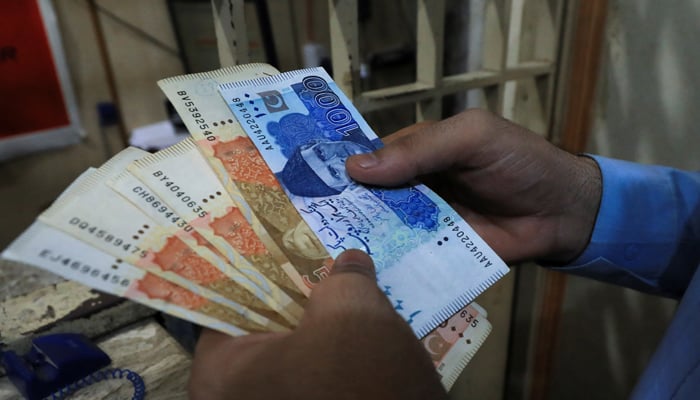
(31, 98)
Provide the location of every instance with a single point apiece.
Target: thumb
(355, 262)
(420, 150)
(350, 288)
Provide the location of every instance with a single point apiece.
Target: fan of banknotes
(232, 227)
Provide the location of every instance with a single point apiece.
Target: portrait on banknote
(317, 168)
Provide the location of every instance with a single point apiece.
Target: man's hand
(350, 344)
(525, 197)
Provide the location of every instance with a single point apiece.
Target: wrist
(579, 210)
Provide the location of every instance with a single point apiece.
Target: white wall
(649, 102)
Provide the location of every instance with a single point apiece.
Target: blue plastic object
(109, 373)
(107, 113)
(54, 362)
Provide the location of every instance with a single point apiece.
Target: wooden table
(34, 303)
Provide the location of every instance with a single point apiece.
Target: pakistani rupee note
(196, 195)
(236, 159)
(243, 171)
(55, 251)
(429, 261)
(454, 342)
(135, 191)
(93, 213)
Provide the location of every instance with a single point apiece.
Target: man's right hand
(525, 197)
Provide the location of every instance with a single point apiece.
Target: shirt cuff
(635, 230)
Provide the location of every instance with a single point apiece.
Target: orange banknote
(242, 170)
(55, 251)
(196, 195)
(94, 214)
(454, 342)
(150, 203)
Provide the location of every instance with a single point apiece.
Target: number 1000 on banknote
(429, 261)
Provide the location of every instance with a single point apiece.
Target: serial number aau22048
(464, 238)
(250, 120)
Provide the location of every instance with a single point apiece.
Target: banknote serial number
(83, 268)
(106, 236)
(470, 319)
(179, 194)
(246, 117)
(469, 244)
(196, 115)
(161, 208)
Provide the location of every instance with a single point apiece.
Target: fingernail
(367, 160)
(354, 260)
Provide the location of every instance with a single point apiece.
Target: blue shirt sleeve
(647, 233)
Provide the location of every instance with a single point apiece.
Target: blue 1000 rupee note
(429, 261)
